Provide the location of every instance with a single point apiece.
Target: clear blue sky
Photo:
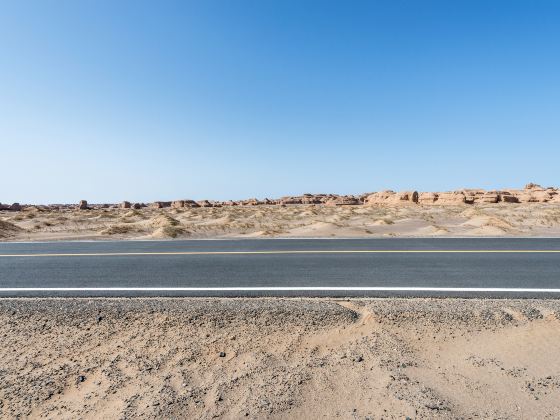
(114, 100)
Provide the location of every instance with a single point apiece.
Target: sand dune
(8, 229)
(269, 221)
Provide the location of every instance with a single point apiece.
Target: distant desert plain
(533, 211)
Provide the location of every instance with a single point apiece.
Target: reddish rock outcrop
(290, 200)
(160, 204)
(490, 197)
(382, 197)
(317, 198)
(346, 200)
(411, 196)
(250, 202)
(533, 186)
(13, 207)
(531, 193)
(508, 198)
(452, 198)
(191, 204)
(204, 203)
(184, 203)
(427, 198)
(392, 197)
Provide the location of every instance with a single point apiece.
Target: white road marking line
(279, 289)
(358, 251)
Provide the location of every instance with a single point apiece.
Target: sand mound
(132, 213)
(8, 229)
(481, 221)
(118, 230)
(383, 222)
(470, 212)
(431, 230)
(266, 233)
(163, 220)
(533, 219)
(168, 232)
(488, 231)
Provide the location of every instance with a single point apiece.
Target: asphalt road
(285, 267)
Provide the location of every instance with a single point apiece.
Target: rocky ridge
(532, 193)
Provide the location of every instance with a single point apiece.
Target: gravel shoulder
(279, 358)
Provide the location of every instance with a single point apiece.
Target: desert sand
(279, 358)
(292, 221)
(282, 358)
(531, 211)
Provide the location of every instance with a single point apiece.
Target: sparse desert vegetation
(269, 221)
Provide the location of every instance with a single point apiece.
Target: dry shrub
(117, 230)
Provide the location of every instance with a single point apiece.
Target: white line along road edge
(278, 289)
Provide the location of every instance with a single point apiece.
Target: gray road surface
(284, 267)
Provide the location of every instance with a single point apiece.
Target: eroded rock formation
(532, 193)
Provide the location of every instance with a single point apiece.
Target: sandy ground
(532, 219)
(279, 358)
